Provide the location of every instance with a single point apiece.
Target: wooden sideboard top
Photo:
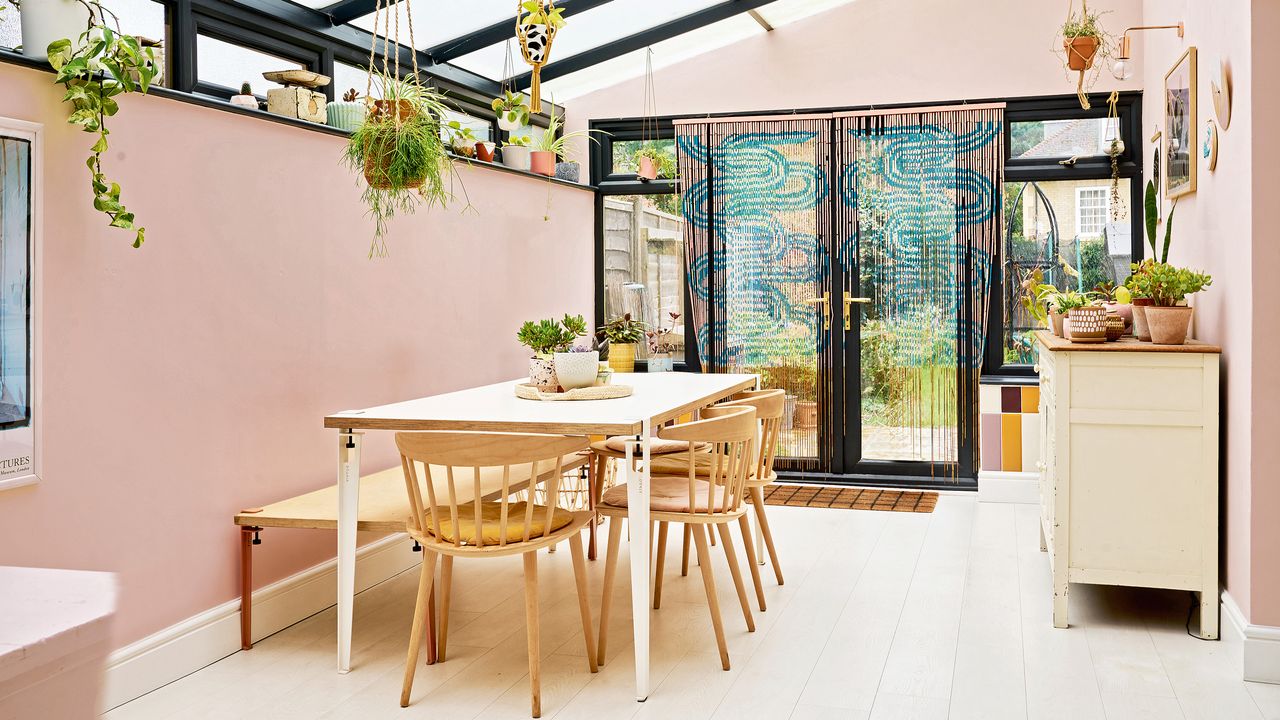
(1124, 344)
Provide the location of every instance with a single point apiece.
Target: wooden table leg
(246, 586)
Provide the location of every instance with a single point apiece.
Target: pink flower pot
(543, 162)
(648, 169)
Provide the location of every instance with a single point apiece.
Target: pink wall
(870, 53)
(186, 380)
(1220, 229)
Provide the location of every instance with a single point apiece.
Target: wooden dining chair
(769, 406)
(486, 529)
(701, 502)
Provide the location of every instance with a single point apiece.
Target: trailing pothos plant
(95, 69)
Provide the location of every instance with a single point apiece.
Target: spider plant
(556, 142)
(401, 154)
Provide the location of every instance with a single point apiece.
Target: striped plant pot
(346, 115)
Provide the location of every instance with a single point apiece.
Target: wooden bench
(384, 507)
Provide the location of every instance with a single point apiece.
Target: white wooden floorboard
(884, 616)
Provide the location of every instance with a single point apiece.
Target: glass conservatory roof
(597, 37)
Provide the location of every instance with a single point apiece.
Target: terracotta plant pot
(1169, 325)
(1088, 324)
(542, 162)
(622, 357)
(1055, 323)
(648, 169)
(576, 369)
(542, 374)
(484, 151)
(1080, 51)
(377, 158)
(1140, 329)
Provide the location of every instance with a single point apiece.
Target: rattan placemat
(526, 391)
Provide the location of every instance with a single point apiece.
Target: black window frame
(1094, 167)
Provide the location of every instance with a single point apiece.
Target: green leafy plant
(1167, 285)
(1062, 302)
(518, 141)
(512, 101)
(1083, 24)
(1035, 295)
(400, 151)
(533, 13)
(623, 330)
(797, 378)
(95, 69)
(664, 159)
(462, 140)
(550, 336)
(553, 140)
(1151, 211)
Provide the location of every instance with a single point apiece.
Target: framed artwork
(19, 351)
(1180, 134)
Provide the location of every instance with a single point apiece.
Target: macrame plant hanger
(1086, 62)
(390, 38)
(535, 46)
(1115, 148)
(648, 117)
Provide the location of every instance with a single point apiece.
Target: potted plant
(1060, 306)
(348, 113)
(485, 151)
(662, 344)
(515, 152)
(553, 146)
(97, 67)
(1035, 296)
(546, 338)
(246, 98)
(1140, 289)
(578, 367)
(46, 21)
(1169, 316)
(537, 23)
(512, 110)
(652, 162)
(798, 380)
(623, 334)
(462, 140)
(1116, 300)
(1082, 36)
(400, 153)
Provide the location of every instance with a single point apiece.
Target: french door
(832, 270)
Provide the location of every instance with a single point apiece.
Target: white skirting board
(181, 649)
(1259, 643)
(1008, 487)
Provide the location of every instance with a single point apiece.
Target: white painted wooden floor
(890, 616)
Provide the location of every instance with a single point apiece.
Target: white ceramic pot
(537, 37)
(542, 374)
(44, 21)
(661, 362)
(245, 101)
(577, 369)
(516, 157)
(509, 120)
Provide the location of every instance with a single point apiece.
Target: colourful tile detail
(1030, 441)
(989, 441)
(988, 398)
(1011, 442)
(1031, 399)
(1011, 399)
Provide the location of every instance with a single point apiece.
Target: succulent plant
(350, 95)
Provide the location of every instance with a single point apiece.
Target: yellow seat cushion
(657, 446)
(491, 522)
(668, 493)
(702, 464)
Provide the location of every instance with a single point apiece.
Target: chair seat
(702, 464)
(657, 446)
(668, 493)
(491, 522)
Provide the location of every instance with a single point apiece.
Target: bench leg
(246, 586)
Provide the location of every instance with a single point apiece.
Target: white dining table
(656, 399)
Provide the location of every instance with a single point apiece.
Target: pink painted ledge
(54, 639)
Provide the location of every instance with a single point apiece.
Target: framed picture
(1180, 135)
(20, 184)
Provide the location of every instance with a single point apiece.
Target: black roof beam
(344, 11)
(493, 34)
(643, 39)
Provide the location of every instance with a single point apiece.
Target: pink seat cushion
(668, 494)
(657, 446)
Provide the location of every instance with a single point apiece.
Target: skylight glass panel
(666, 53)
(435, 21)
(782, 12)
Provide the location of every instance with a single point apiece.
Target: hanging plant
(399, 149)
(99, 66)
(1115, 148)
(537, 22)
(649, 158)
(1083, 42)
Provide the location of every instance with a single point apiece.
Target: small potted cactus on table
(246, 98)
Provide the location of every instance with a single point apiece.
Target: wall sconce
(1123, 67)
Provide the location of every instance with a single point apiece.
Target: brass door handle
(849, 300)
(825, 302)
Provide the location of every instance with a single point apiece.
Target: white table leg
(638, 518)
(348, 512)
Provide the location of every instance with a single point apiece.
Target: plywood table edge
(1127, 344)
(355, 422)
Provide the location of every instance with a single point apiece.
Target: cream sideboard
(1129, 467)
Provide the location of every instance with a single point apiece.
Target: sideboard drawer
(1157, 383)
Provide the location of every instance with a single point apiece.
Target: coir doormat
(850, 498)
